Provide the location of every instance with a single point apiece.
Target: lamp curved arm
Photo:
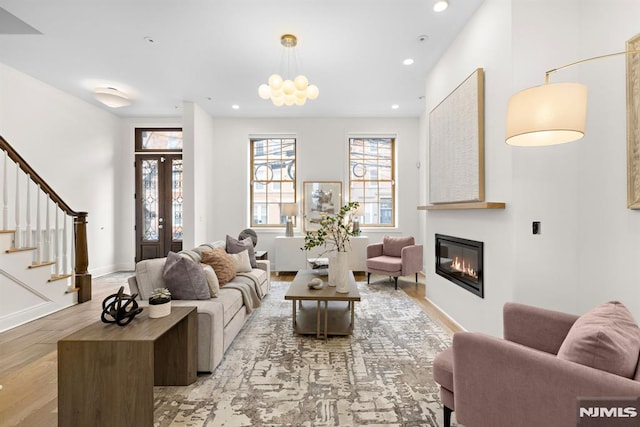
(553, 70)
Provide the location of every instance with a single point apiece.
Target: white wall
(73, 146)
(578, 190)
(485, 42)
(321, 155)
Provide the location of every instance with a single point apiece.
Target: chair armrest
(536, 327)
(411, 259)
(501, 383)
(374, 250)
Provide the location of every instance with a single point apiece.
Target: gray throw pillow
(184, 278)
(235, 246)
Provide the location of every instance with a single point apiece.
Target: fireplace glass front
(460, 261)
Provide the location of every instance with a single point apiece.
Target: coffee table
(337, 317)
(106, 373)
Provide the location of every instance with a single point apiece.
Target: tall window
(372, 179)
(273, 179)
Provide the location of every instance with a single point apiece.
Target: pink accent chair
(520, 380)
(394, 257)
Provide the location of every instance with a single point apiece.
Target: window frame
(392, 180)
(268, 182)
(138, 139)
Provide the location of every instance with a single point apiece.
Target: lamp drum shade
(547, 115)
(290, 209)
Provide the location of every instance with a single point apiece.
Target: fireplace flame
(464, 268)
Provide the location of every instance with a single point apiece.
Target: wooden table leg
(318, 319)
(294, 315)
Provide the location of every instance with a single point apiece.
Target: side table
(106, 373)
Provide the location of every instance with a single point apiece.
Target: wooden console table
(106, 373)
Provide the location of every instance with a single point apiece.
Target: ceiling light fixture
(284, 91)
(550, 114)
(111, 97)
(395, 106)
(407, 61)
(440, 6)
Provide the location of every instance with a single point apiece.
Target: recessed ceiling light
(149, 40)
(235, 106)
(440, 5)
(422, 37)
(408, 61)
(395, 106)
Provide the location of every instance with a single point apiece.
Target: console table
(106, 373)
(289, 257)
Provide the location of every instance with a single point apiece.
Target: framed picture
(320, 198)
(633, 124)
(456, 144)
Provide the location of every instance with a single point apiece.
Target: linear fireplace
(460, 261)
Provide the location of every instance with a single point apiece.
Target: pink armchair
(520, 380)
(395, 256)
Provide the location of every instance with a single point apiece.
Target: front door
(158, 205)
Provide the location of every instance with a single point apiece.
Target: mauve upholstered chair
(520, 380)
(394, 257)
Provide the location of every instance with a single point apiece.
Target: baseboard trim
(443, 317)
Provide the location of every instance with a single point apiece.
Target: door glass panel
(176, 198)
(150, 199)
(158, 139)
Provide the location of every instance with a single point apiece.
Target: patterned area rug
(379, 376)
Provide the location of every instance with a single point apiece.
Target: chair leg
(396, 280)
(368, 277)
(416, 278)
(447, 416)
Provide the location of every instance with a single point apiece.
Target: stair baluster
(65, 248)
(47, 234)
(56, 244)
(38, 255)
(5, 196)
(27, 240)
(17, 240)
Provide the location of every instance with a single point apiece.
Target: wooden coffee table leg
(294, 315)
(326, 317)
(318, 319)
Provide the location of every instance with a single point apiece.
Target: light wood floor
(28, 353)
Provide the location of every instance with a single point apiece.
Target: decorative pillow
(212, 280)
(235, 246)
(221, 263)
(184, 278)
(392, 246)
(606, 338)
(241, 261)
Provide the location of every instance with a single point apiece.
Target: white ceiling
(217, 52)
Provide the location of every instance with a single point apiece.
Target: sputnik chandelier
(288, 92)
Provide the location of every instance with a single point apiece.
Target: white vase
(331, 280)
(159, 310)
(341, 272)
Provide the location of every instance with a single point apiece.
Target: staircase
(40, 271)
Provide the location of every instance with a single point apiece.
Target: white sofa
(219, 319)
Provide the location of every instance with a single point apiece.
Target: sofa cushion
(385, 263)
(221, 263)
(184, 278)
(392, 246)
(241, 261)
(606, 338)
(191, 254)
(149, 276)
(235, 246)
(231, 300)
(212, 280)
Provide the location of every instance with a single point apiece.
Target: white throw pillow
(241, 261)
(212, 280)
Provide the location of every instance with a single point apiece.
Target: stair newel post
(47, 234)
(56, 242)
(27, 241)
(38, 228)
(17, 240)
(5, 196)
(83, 278)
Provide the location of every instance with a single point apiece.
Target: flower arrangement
(160, 296)
(335, 230)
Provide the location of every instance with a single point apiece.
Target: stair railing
(51, 244)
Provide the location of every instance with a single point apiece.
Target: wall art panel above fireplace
(461, 262)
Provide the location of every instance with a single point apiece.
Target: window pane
(150, 200)
(371, 177)
(274, 179)
(159, 139)
(176, 198)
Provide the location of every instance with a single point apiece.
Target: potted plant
(335, 233)
(159, 303)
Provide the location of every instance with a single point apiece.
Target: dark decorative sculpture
(120, 308)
